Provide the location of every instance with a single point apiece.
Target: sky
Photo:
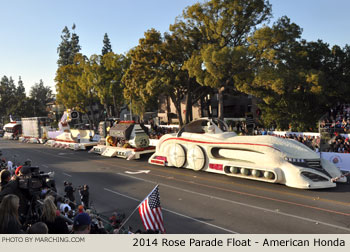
(31, 29)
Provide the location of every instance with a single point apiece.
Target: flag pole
(124, 222)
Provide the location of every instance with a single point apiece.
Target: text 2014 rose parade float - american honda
(205, 144)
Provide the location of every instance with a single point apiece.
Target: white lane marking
(182, 215)
(138, 172)
(67, 174)
(46, 166)
(64, 153)
(244, 204)
(126, 196)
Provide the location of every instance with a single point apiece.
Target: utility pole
(130, 110)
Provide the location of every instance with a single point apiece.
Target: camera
(33, 180)
(83, 187)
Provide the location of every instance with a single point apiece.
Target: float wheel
(196, 158)
(177, 155)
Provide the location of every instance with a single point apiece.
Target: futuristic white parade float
(206, 145)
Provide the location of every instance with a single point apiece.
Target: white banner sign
(340, 160)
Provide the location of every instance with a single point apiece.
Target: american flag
(151, 212)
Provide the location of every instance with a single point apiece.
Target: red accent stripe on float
(157, 162)
(63, 141)
(218, 167)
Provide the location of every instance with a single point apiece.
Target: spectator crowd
(337, 119)
(45, 211)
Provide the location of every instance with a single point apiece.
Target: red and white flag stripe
(151, 212)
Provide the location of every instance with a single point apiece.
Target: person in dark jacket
(9, 220)
(84, 195)
(69, 190)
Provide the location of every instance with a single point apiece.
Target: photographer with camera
(84, 195)
(13, 187)
(69, 190)
(27, 185)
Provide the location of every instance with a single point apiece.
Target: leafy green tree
(7, 97)
(114, 67)
(69, 93)
(75, 85)
(68, 47)
(103, 74)
(39, 96)
(174, 79)
(224, 26)
(66, 85)
(64, 48)
(20, 91)
(107, 47)
(140, 87)
(21, 99)
(86, 94)
(340, 66)
(74, 45)
(178, 47)
(295, 80)
(157, 68)
(70, 68)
